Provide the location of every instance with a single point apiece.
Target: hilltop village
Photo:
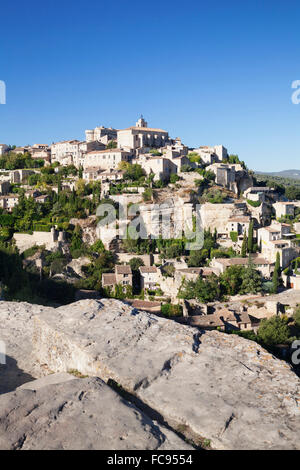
(244, 275)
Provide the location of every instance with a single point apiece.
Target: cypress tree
(276, 274)
(244, 246)
(250, 237)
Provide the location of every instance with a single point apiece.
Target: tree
(276, 274)
(250, 237)
(244, 246)
(198, 258)
(231, 280)
(80, 187)
(273, 331)
(112, 144)
(252, 281)
(297, 316)
(136, 263)
(203, 290)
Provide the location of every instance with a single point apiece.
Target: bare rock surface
(220, 387)
(78, 414)
(16, 331)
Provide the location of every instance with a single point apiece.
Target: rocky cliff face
(207, 385)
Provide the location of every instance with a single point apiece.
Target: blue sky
(209, 73)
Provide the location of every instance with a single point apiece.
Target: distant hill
(294, 174)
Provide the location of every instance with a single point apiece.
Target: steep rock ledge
(221, 387)
(78, 414)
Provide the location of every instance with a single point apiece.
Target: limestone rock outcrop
(221, 387)
(207, 385)
(81, 414)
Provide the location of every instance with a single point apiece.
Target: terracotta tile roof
(94, 152)
(108, 279)
(240, 261)
(123, 269)
(143, 129)
(148, 269)
(145, 304)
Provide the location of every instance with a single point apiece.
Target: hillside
(293, 174)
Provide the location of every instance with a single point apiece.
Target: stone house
(32, 193)
(122, 276)
(106, 159)
(160, 167)
(42, 198)
(101, 134)
(149, 276)
(274, 239)
(283, 209)
(210, 155)
(73, 152)
(261, 264)
(41, 151)
(225, 320)
(238, 224)
(9, 201)
(259, 193)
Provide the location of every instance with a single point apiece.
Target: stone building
(40, 151)
(141, 136)
(149, 277)
(277, 238)
(122, 276)
(101, 134)
(4, 187)
(3, 149)
(9, 201)
(262, 265)
(106, 159)
(97, 174)
(73, 152)
(210, 155)
(284, 209)
(18, 176)
(239, 225)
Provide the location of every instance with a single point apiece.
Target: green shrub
(234, 236)
(254, 203)
(171, 310)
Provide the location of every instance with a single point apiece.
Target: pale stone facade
(96, 174)
(3, 149)
(141, 136)
(18, 176)
(73, 152)
(9, 201)
(210, 155)
(52, 240)
(261, 264)
(106, 159)
(284, 209)
(149, 277)
(239, 224)
(277, 239)
(101, 134)
(122, 276)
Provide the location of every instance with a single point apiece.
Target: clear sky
(209, 72)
